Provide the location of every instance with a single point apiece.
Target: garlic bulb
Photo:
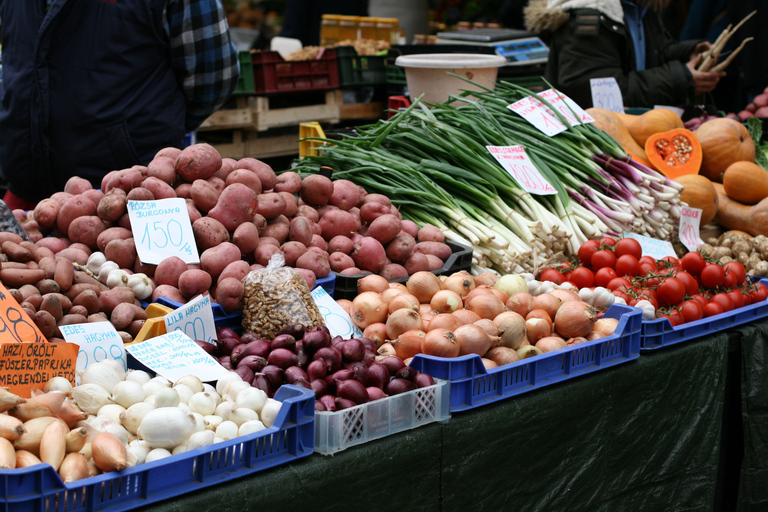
(166, 427)
(95, 261)
(105, 269)
(132, 416)
(141, 285)
(117, 277)
(90, 397)
(101, 374)
(127, 393)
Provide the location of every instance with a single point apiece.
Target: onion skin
(274, 375)
(352, 350)
(409, 343)
(551, 344)
(465, 316)
(548, 303)
(488, 326)
(352, 390)
(257, 347)
(424, 285)
(443, 321)
(402, 320)
(473, 339)
(398, 386)
(540, 313)
(393, 364)
(294, 373)
(487, 305)
(486, 279)
(317, 369)
(446, 301)
(315, 340)
(521, 303)
(488, 363)
(575, 319)
(502, 355)
(440, 343)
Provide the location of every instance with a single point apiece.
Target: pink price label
(688, 231)
(517, 163)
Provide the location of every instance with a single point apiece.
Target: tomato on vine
(737, 269)
(604, 275)
(586, 251)
(712, 309)
(627, 265)
(628, 246)
(671, 291)
(723, 300)
(690, 282)
(693, 263)
(712, 275)
(552, 275)
(582, 277)
(602, 259)
(691, 311)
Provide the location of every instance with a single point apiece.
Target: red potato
(53, 243)
(77, 185)
(300, 230)
(46, 323)
(308, 275)
(183, 190)
(78, 288)
(392, 271)
(263, 171)
(76, 206)
(291, 204)
(319, 242)
(192, 210)
(10, 237)
(218, 183)
(277, 230)
(204, 194)
(86, 230)
(237, 269)
(193, 282)
(271, 205)
(246, 238)
(198, 161)
(237, 204)
(227, 166)
(48, 265)
(264, 252)
(81, 246)
(113, 205)
(162, 168)
(215, 259)
(346, 195)
(410, 227)
(259, 221)
(87, 299)
(61, 197)
(109, 299)
(416, 262)
(394, 211)
(42, 252)
(122, 252)
(138, 194)
(292, 251)
(109, 234)
(434, 262)
(45, 213)
(125, 179)
(16, 252)
(384, 228)
(268, 240)
(316, 190)
(337, 222)
(124, 221)
(368, 254)
(94, 195)
(169, 270)
(400, 247)
(352, 271)
(106, 181)
(209, 232)
(339, 261)
(430, 233)
(372, 210)
(377, 198)
(761, 112)
(159, 188)
(16, 277)
(123, 314)
(340, 243)
(309, 212)
(169, 152)
(170, 292)
(441, 250)
(761, 100)
(229, 294)
(247, 177)
(288, 181)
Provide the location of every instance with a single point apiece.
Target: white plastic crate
(337, 431)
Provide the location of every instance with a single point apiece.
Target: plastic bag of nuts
(276, 296)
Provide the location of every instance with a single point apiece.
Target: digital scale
(519, 47)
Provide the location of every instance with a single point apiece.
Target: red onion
(209, 348)
(284, 341)
(337, 341)
(369, 358)
(274, 375)
(257, 347)
(407, 373)
(315, 340)
(375, 393)
(295, 330)
(377, 375)
(255, 363)
(343, 403)
(320, 328)
(352, 350)
(319, 406)
(369, 344)
(352, 390)
(226, 345)
(393, 364)
(331, 356)
(360, 369)
(343, 374)
(226, 332)
(261, 382)
(294, 373)
(397, 386)
(423, 380)
(245, 372)
(304, 357)
(329, 401)
(249, 337)
(303, 383)
(317, 370)
(225, 360)
(320, 387)
(283, 358)
(227, 365)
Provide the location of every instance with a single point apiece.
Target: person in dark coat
(622, 39)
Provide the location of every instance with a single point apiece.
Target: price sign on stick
(336, 319)
(175, 355)
(98, 341)
(689, 228)
(162, 229)
(652, 246)
(25, 366)
(606, 94)
(544, 118)
(519, 166)
(195, 319)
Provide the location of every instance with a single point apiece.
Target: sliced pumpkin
(746, 182)
(649, 123)
(609, 122)
(675, 153)
(699, 192)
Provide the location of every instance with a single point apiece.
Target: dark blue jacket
(87, 88)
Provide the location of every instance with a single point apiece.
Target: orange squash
(735, 215)
(699, 193)
(723, 142)
(609, 122)
(746, 182)
(674, 153)
(648, 123)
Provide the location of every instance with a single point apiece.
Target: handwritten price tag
(606, 94)
(98, 341)
(653, 247)
(336, 319)
(195, 319)
(544, 118)
(689, 228)
(15, 324)
(175, 355)
(162, 229)
(24, 366)
(519, 166)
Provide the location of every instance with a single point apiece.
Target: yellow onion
(108, 453)
(512, 329)
(502, 355)
(500, 294)
(488, 363)
(386, 350)
(423, 285)
(473, 339)
(574, 319)
(535, 329)
(487, 305)
(540, 313)
(443, 321)
(548, 302)
(565, 295)
(486, 279)
(399, 286)
(408, 344)
(24, 459)
(550, 344)
(488, 326)
(465, 316)
(520, 303)
(478, 290)
(368, 308)
(594, 335)
(372, 283)
(606, 326)
(346, 305)
(376, 332)
(402, 320)
(576, 341)
(405, 300)
(461, 282)
(510, 284)
(390, 293)
(446, 301)
(73, 467)
(440, 343)
(527, 351)
(7, 454)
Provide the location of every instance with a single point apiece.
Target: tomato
(701, 299)
(627, 265)
(737, 297)
(582, 277)
(712, 309)
(646, 268)
(760, 293)
(668, 261)
(628, 246)
(671, 291)
(550, 274)
(712, 275)
(723, 300)
(606, 240)
(649, 259)
(586, 251)
(736, 268)
(693, 263)
(747, 298)
(603, 258)
(619, 283)
(668, 318)
(690, 282)
(652, 282)
(675, 317)
(729, 281)
(604, 276)
(691, 311)
(623, 295)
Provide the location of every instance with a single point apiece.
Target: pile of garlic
(110, 273)
(116, 419)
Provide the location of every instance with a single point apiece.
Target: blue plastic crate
(472, 385)
(660, 333)
(289, 438)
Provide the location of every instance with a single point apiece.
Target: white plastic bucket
(428, 73)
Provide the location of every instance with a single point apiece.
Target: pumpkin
(735, 215)
(723, 142)
(609, 122)
(699, 192)
(746, 182)
(674, 153)
(648, 123)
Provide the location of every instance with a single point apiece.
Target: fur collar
(550, 14)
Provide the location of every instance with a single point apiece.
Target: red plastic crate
(272, 74)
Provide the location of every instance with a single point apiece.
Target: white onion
(116, 365)
(179, 449)
(242, 414)
(185, 393)
(224, 409)
(139, 376)
(90, 397)
(269, 411)
(223, 382)
(102, 374)
(194, 383)
(166, 427)
(203, 403)
(249, 427)
(139, 449)
(152, 387)
(127, 393)
(157, 454)
(227, 430)
(212, 421)
(162, 380)
(511, 284)
(200, 439)
(58, 384)
(112, 411)
(167, 397)
(234, 388)
(199, 421)
(132, 416)
(151, 400)
(251, 398)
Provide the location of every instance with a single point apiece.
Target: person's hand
(704, 81)
(699, 49)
